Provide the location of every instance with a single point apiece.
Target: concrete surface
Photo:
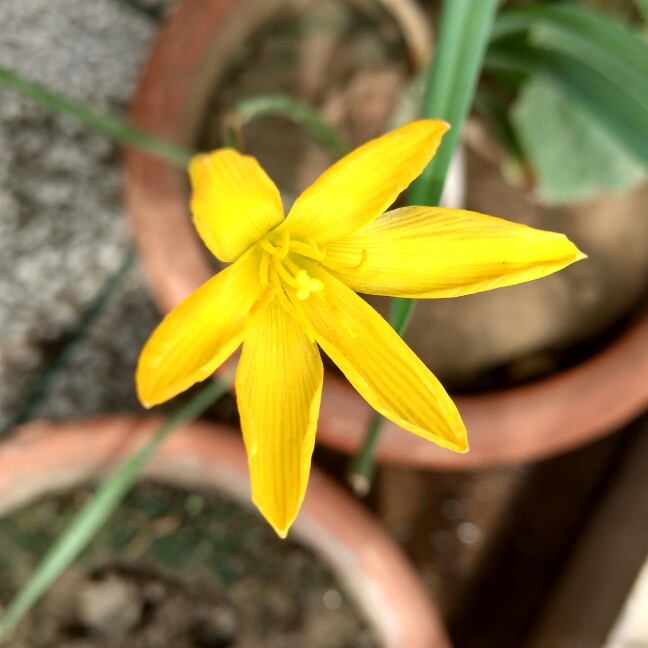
(62, 225)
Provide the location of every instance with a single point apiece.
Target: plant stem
(111, 126)
(106, 499)
(363, 466)
(464, 30)
(290, 108)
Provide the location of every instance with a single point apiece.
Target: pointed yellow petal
(278, 388)
(436, 252)
(378, 363)
(197, 336)
(364, 183)
(234, 202)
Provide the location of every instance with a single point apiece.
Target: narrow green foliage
(115, 128)
(573, 158)
(289, 108)
(363, 465)
(576, 23)
(642, 5)
(596, 60)
(616, 110)
(93, 515)
(463, 34)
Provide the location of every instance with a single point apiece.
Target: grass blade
(615, 110)
(111, 126)
(292, 109)
(463, 35)
(602, 31)
(106, 499)
(464, 31)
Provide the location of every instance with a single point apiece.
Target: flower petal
(436, 252)
(234, 202)
(278, 388)
(377, 362)
(199, 334)
(364, 183)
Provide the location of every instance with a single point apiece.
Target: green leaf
(615, 110)
(463, 35)
(629, 77)
(106, 499)
(296, 111)
(600, 30)
(642, 5)
(573, 157)
(111, 126)
(464, 31)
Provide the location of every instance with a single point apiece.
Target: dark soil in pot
(174, 568)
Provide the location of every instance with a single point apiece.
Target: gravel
(63, 230)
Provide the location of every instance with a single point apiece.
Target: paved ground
(62, 227)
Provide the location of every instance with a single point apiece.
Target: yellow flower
(290, 287)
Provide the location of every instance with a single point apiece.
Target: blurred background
(535, 540)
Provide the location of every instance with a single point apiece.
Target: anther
(307, 285)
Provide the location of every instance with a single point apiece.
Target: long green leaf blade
(106, 499)
(464, 30)
(599, 29)
(608, 63)
(111, 126)
(616, 111)
(463, 35)
(294, 110)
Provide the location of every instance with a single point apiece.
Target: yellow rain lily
(290, 287)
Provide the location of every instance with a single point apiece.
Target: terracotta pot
(42, 458)
(517, 424)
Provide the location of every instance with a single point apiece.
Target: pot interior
(175, 567)
(349, 60)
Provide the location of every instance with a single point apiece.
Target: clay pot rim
(45, 457)
(523, 423)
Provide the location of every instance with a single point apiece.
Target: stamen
(279, 266)
(280, 251)
(292, 266)
(307, 285)
(264, 269)
(310, 249)
(343, 267)
(281, 295)
(300, 280)
(363, 260)
(266, 297)
(284, 246)
(267, 246)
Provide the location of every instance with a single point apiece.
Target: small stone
(332, 599)
(468, 533)
(452, 509)
(110, 606)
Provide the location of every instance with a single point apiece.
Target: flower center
(280, 265)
